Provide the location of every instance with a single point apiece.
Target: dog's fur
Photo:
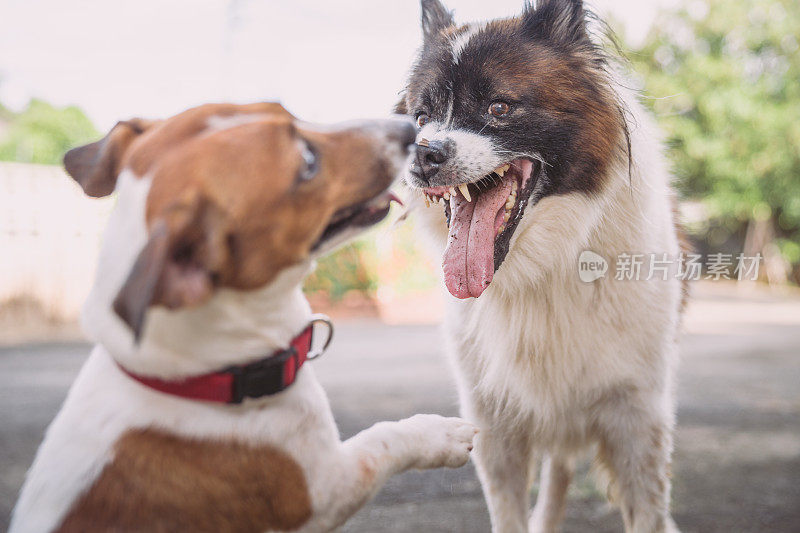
(548, 365)
(220, 212)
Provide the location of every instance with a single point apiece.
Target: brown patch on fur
(171, 133)
(265, 220)
(162, 483)
(572, 90)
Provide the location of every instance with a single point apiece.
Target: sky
(325, 60)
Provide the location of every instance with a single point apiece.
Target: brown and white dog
(539, 153)
(220, 212)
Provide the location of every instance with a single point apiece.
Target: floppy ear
(435, 17)
(559, 21)
(95, 166)
(180, 265)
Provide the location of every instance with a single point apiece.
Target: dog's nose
(430, 156)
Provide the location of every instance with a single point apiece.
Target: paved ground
(737, 461)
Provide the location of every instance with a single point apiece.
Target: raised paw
(440, 441)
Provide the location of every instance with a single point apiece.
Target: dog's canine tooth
(465, 191)
(502, 169)
(427, 200)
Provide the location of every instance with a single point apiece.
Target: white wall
(49, 237)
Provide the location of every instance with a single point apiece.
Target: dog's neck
(233, 327)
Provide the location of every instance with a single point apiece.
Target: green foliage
(42, 133)
(344, 270)
(724, 82)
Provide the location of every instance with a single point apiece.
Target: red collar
(264, 377)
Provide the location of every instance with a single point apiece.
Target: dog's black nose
(430, 156)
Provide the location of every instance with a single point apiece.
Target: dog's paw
(440, 441)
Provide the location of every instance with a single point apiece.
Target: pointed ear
(435, 17)
(558, 21)
(95, 166)
(179, 266)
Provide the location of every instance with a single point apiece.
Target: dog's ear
(181, 264)
(400, 107)
(558, 21)
(435, 17)
(95, 166)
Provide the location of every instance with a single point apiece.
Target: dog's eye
(310, 165)
(499, 109)
(422, 119)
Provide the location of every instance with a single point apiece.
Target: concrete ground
(737, 457)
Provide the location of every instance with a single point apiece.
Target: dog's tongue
(469, 258)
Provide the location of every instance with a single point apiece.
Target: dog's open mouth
(482, 216)
(361, 215)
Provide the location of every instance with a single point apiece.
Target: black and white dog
(538, 153)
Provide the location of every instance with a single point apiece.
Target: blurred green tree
(42, 133)
(724, 82)
(350, 268)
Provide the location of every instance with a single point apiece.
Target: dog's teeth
(500, 170)
(514, 186)
(452, 191)
(506, 216)
(447, 196)
(427, 200)
(501, 229)
(465, 191)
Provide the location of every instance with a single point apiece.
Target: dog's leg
(635, 444)
(503, 460)
(550, 504)
(366, 461)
